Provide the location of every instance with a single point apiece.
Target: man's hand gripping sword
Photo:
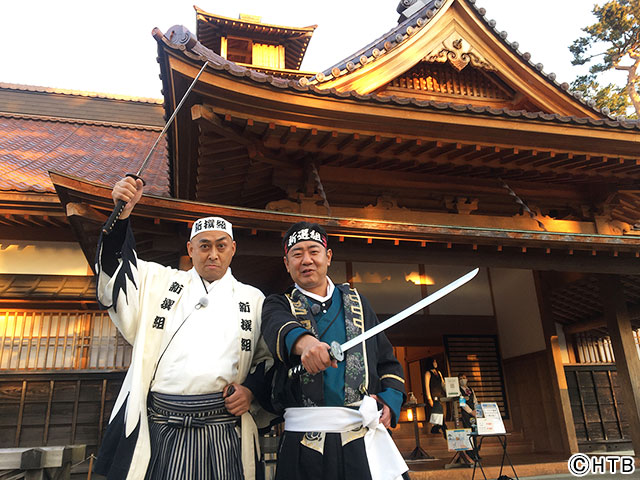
(337, 351)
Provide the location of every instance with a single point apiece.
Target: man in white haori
(188, 405)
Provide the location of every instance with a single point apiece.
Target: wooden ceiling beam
(247, 126)
(557, 160)
(307, 137)
(212, 140)
(527, 158)
(543, 158)
(387, 144)
(287, 134)
(439, 183)
(478, 153)
(487, 156)
(428, 147)
(463, 150)
(444, 150)
(495, 157)
(231, 147)
(268, 131)
(581, 161)
(515, 157)
(326, 139)
(222, 161)
(236, 180)
(367, 144)
(354, 137)
(256, 150)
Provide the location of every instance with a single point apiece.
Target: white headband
(210, 224)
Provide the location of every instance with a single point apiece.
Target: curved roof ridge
(377, 47)
(421, 17)
(78, 121)
(307, 29)
(199, 52)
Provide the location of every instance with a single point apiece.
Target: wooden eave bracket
(255, 150)
(85, 211)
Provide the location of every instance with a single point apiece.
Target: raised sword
(337, 350)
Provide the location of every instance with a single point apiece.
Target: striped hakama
(193, 437)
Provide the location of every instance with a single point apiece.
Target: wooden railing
(591, 349)
(46, 340)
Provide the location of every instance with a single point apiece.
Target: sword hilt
(335, 352)
(117, 210)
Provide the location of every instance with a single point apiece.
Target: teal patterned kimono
(368, 369)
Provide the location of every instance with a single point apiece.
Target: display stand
(460, 459)
(418, 453)
(477, 439)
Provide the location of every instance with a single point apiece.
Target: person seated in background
(468, 402)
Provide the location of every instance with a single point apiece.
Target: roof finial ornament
(407, 8)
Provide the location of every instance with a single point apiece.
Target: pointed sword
(120, 204)
(337, 350)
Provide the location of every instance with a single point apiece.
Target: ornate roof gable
(452, 43)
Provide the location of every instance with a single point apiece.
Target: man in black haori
(187, 409)
(335, 414)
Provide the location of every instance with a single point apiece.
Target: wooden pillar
(624, 349)
(559, 386)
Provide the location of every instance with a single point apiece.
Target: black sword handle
(335, 352)
(117, 210)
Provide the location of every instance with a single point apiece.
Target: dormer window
(244, 50)
(237, 50)
(250, 42)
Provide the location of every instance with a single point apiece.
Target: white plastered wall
(517, 312)
(42, 258)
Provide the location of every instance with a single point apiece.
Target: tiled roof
(67, 105)
(266, 28)
(422, 17)
(79, 93)
(216, 62)
(30, 147)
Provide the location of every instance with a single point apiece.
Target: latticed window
(45, 340)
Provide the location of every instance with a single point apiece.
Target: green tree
(613, 42)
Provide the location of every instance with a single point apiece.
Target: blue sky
(107, 46)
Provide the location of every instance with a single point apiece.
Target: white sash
(385, 461)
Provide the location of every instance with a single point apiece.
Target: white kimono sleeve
(120, 279)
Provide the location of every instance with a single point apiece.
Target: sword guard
(136, 177)
(336, 351)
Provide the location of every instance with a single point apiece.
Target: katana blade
(120, 204)
(337, 350)
(398, 317)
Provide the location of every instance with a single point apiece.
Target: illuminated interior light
(370, 277)
(417, 279)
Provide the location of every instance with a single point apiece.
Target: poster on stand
(488, 419)
(452, 386)
(459, 439)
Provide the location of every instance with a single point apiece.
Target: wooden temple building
(434, 149)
